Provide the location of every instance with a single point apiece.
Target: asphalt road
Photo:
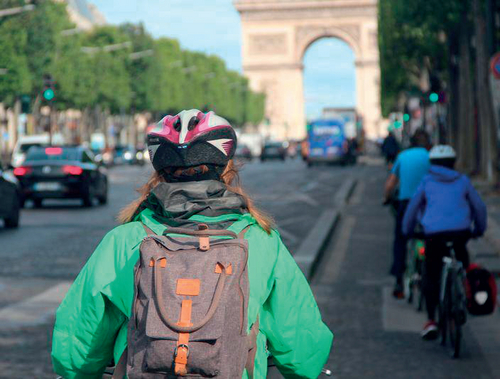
(375, 335)
(42, 257)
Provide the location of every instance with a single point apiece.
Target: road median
(311, 249)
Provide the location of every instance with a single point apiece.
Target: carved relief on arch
(307, 34)
(267, 44)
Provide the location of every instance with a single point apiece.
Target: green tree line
(446, 44)
(121, 69)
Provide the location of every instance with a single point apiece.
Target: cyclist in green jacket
(195, 181)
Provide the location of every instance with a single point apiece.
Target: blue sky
(213, 26)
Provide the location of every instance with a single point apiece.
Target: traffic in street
(352, 285)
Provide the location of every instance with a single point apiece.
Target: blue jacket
(445, 201)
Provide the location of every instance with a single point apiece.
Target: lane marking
(36, 310)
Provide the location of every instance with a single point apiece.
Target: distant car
(273, 150)
(24, 143)
(243, 152)
(10, 199)
(62, 172)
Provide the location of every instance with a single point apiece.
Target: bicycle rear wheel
(457, 314)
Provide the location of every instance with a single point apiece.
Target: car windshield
(53, 154)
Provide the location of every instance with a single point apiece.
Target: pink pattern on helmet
(228, 146)
(166, 128)
(203, 126)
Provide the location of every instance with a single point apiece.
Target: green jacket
(91, 322)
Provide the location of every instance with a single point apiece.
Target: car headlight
(139, 155)
(127, 155)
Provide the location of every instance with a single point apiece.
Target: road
(376, 337)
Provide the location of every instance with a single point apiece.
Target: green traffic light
(398, 124)
(48, 94)
(406, 117)
(433, 97)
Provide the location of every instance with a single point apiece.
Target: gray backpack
(189, 315)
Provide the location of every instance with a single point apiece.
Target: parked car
(62, 172)
(10, 199)
(243, 152)
(273, 150)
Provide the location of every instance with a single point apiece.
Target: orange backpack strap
(252, 348)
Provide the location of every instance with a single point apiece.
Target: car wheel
(13, 220)
(37, 203)
(87, 197)
(103, 199)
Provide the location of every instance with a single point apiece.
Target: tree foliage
(88, 71)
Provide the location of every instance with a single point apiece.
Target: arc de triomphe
(276, 35)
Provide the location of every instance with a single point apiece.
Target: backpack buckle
(176, 351)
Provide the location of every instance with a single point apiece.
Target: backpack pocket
(204, 345)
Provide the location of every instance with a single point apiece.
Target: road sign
(495, 65)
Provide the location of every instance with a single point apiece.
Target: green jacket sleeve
(297, 338)
(96, 306)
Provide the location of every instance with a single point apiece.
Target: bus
(327, 142)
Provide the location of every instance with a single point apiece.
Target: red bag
(481, 290)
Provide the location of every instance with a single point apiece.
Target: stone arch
(275, 37)
(305, 36)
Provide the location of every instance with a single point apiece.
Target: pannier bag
(189, 316)
(481, 291)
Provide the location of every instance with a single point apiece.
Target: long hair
(230, 177)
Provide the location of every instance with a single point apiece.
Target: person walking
(410, 167)
(194, 187)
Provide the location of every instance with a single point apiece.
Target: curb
(311, 250)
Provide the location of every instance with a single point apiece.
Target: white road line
(36, 310)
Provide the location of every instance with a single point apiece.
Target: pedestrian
(410, 167)
(390, 148)
(195, 184)
(447, 206)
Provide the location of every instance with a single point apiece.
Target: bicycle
(452, 301)
(415, 271)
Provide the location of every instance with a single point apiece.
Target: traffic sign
(495, 65)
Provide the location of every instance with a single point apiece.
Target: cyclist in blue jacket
(449, 210)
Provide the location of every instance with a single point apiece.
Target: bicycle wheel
(444, 310)
(459, 313)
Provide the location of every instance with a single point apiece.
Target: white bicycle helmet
(442, 152)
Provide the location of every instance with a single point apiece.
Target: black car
(273, 150)
(68, 172)
(243, 152)
(10, 199)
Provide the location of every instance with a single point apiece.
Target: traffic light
(25, 104)
(406, 117)
(48, 91)
(433, 97)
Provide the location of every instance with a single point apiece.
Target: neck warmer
(174, 203)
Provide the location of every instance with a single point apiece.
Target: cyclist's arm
(478, 208)
(416, 203)
(392, 181)
(91, 314)
(297, 338)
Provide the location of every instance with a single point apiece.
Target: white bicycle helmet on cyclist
(442, 152)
